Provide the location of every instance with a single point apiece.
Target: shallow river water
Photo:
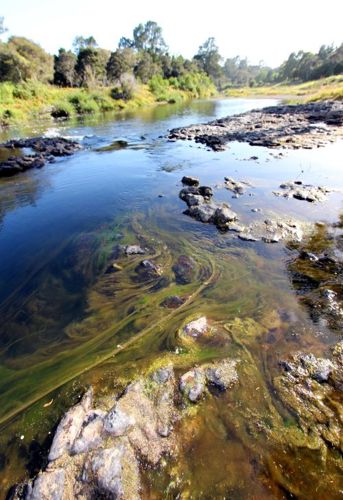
(64, 320)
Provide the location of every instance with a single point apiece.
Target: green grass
(31, 100)
(325, 88)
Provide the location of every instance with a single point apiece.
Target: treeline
(145, 58)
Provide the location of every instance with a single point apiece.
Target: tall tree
(64, 68)
(81, 42)
(208, 58)
(91, 66)
(3, 29)
(121, 61)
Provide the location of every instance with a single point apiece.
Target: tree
(80, 43)
(121, 61)
(33, 62)
(146, 67)
(208, 58)
(3, 29)
(64, 68)
(146, 37)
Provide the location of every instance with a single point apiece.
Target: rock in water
(90, 435)
(222, 374)
(184, 270)
(192, 384)
(190, 181)
(116, 471)
(48, 485)
(118, 422)
(70, 427)
(196, 328)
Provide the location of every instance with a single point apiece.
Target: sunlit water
(61, 319)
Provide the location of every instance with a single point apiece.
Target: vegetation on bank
(316, 90)
(141, 71)
(31, 100)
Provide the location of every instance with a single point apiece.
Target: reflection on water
(67, 323)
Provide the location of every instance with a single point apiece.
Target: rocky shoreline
(99, 452)
(284, 126)
(42, 150)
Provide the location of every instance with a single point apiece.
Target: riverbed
(64, 320)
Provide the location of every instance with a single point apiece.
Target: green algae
(228, 442)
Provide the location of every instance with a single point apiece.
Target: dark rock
(184, 269)
(172, 302)
(45, 150)
(190, 181)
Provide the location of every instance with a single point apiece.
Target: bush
(104, 102)
(125, 88)
(84, 103)
(62, 109)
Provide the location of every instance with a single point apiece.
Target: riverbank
(316, 90)
(30, 101)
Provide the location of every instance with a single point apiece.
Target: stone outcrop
(284, 126)
(44, 150)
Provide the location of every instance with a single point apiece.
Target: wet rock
(307, 387)
(148, 268)
(192, 384)
(203, 213)
(235, 186)
(134, 250)
(115, 471)
(190, 181)
(223, 216)
(299, 191)
(45, 150)
(184, 270)
(173, 302)
(70, 427)
(48, 485)
(222, 374)
(196, 328)
(206, 191)
(282, 126)
(90, 435)
(117, 422)
(162, 375)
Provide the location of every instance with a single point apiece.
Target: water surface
(62, 317)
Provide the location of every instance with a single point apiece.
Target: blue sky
(263, 29)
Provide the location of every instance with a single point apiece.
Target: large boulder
(48, 485)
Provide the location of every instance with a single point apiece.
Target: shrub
(125, 87)
(83, 103)
(62, 109)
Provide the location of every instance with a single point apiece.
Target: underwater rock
(134, 250)
(237, 187)
(48, 485)
(222, 374)
(149, 269)
(192, 384)
(70, 426)
(300, 191)
(307, 387)
(115, 471)
(172, 302)
(162, 375)
(184, 270)
(196, 328)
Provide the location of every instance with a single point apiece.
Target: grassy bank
(32, 100)
(316, 90)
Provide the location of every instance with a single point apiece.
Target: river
(62, 320)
